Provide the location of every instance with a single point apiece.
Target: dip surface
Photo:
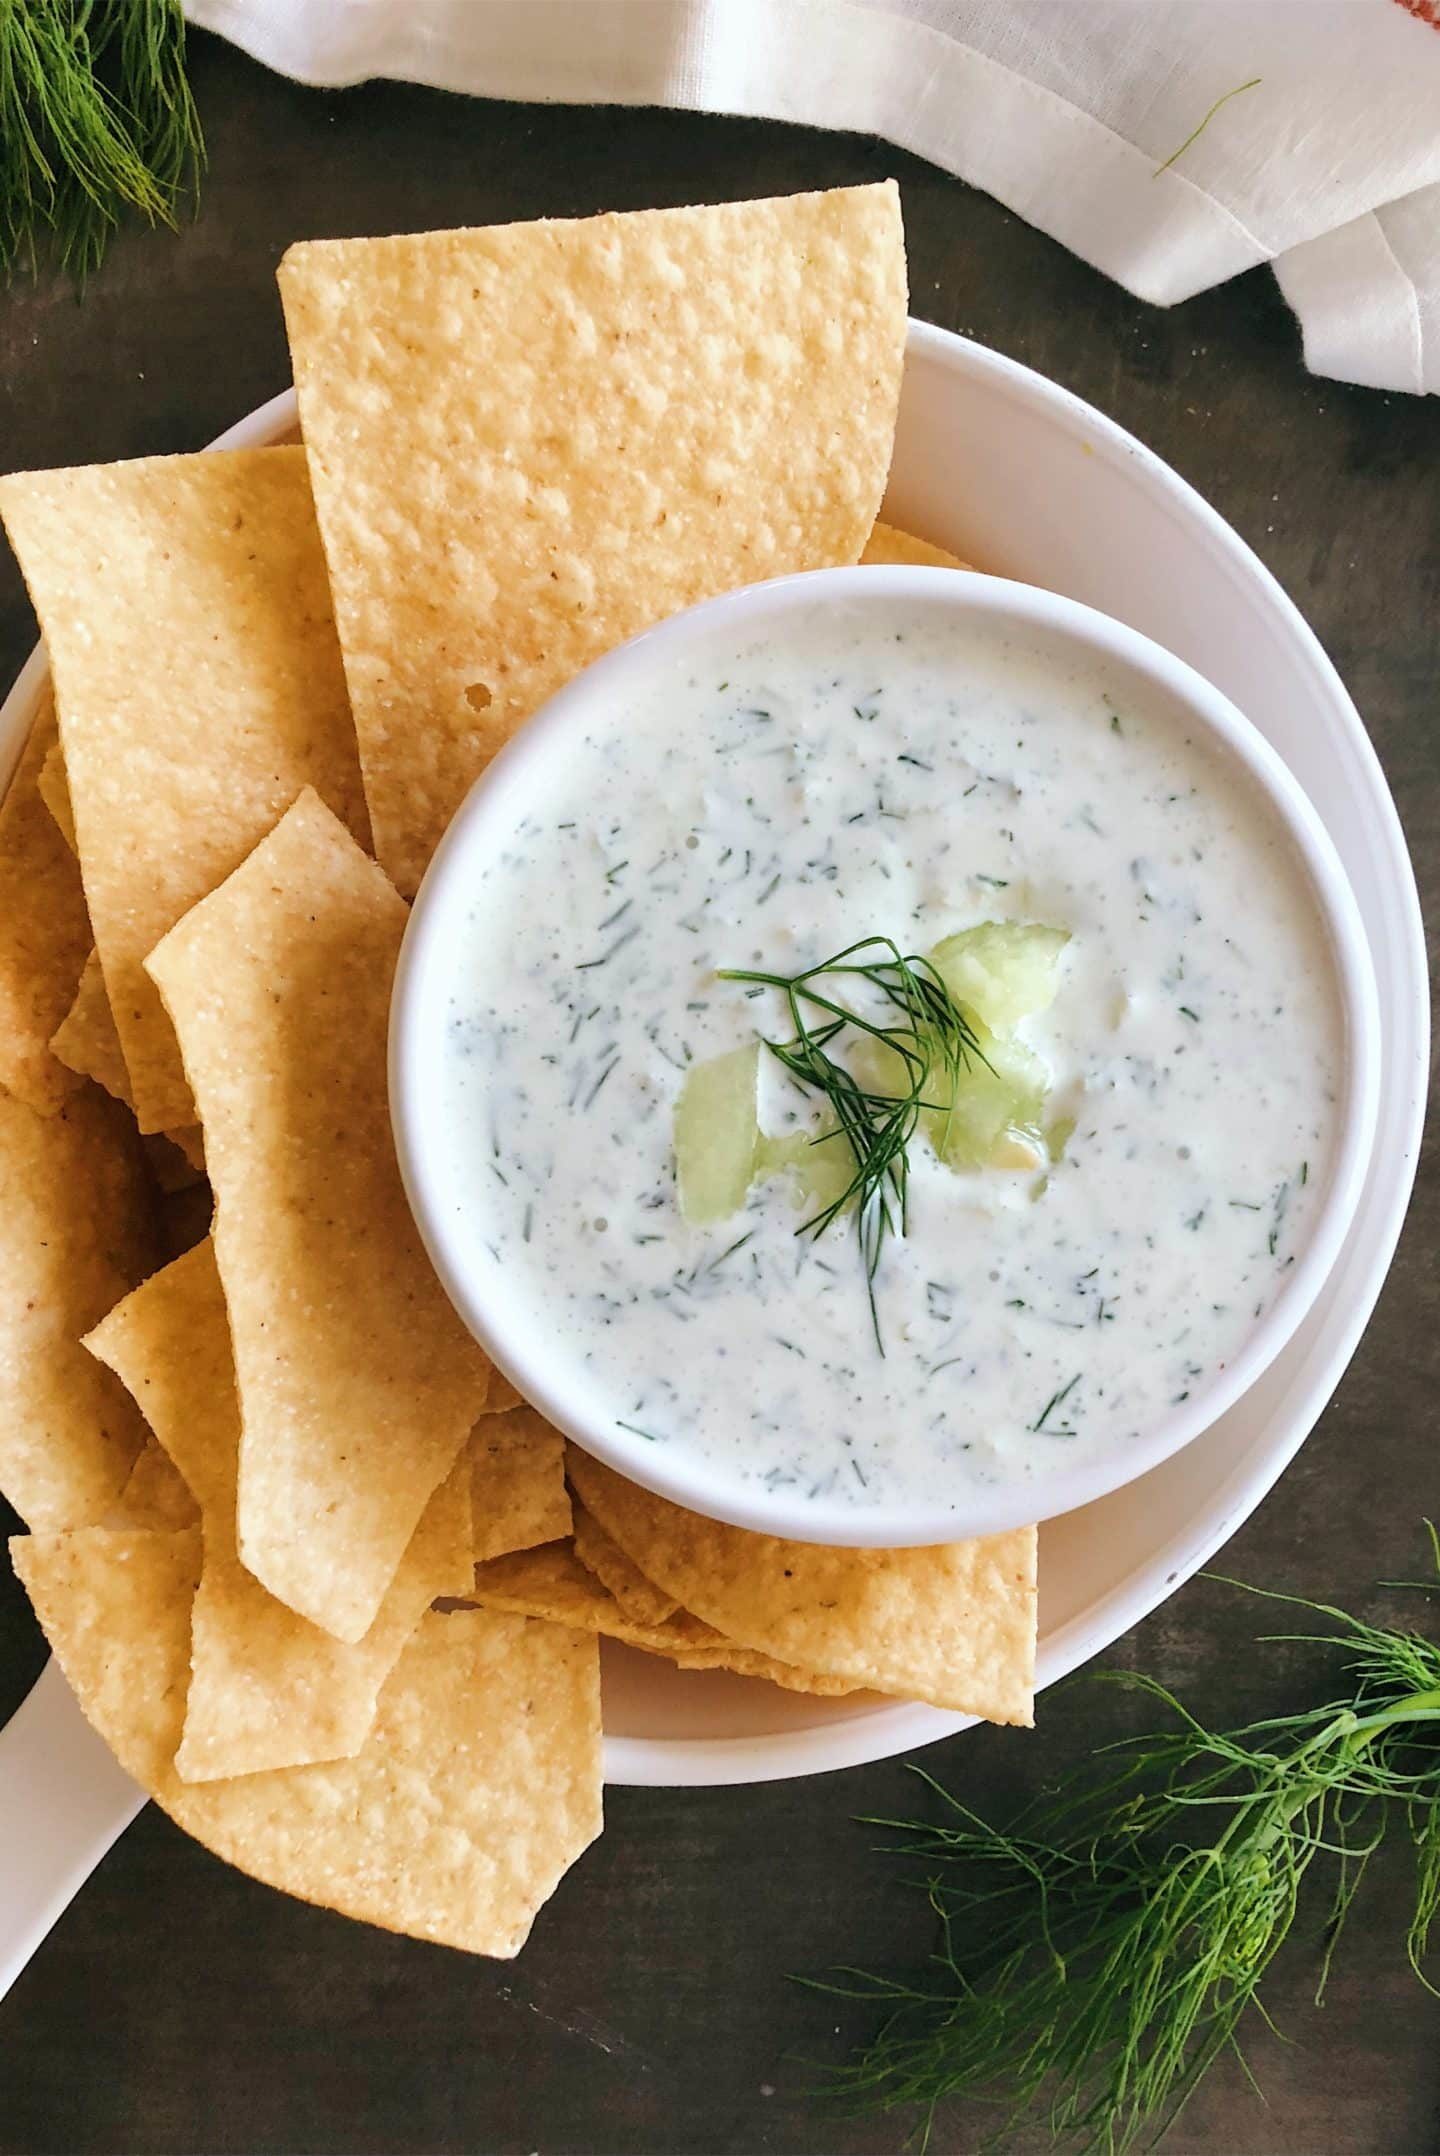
(901, 772)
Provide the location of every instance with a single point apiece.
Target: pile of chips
(331, 1592)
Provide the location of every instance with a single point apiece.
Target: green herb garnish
(1196, 132)
(1099, 1956)
(921, 1026)
(96, 117)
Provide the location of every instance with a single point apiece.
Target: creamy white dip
(906, 776)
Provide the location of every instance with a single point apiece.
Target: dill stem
(1354, 1736)
(1109, 1948)
(929, 1028)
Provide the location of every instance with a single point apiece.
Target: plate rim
(881, 1732)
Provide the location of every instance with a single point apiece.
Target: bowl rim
(516, 1344)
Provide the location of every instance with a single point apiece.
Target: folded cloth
(1170, 143)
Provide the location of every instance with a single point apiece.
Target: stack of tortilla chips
(330, 1591)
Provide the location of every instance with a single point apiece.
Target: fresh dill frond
(1098, 1957)
(921, 1025)
(96, 118)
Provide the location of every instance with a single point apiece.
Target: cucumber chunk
(821, 1172)
(717, 1135)
(990, 1114)
(1003, 970)
(992, 1100)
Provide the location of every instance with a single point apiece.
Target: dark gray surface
(178, 2006)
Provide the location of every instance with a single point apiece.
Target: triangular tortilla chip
(518, 1487)
(502, 1396)
(552, 1583)
(887, 547)
(156, 1494)
(601, 1554)
(528, 442)
(44, 931)
(55, 791)
(199, 684)
(267, 1688)
(86, 1040)
(169, 1155)
(75, 1235)
(953, 1624)
(478, 1787)
(358, 1383)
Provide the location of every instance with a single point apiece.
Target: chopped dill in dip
(1107, 1191)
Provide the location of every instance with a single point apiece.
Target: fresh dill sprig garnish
(96, 118)
(1099, 1956)
(920, 1022)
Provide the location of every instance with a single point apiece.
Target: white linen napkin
(1170, 143)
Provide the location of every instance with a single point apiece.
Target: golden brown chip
(169, 1345)
(518, 1482)
(183, 1218)
(267, 1688)
(502, 1396)
(189, 1139)
(477, 1789)
(86, 1040)
(358, 1383)
(528, 442)
(55, 790)
(156, 1495)
(75, 1234)
(87, 1043)
(44, 931)
(888, 547)
(199, 684)
(167, 1153)
(553, 1584)
(601, 1554)
(953, 1624)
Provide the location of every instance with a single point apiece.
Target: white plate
(1019, 477)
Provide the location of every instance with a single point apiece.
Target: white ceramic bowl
(508, 1314)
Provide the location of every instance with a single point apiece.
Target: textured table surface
(178, 2006)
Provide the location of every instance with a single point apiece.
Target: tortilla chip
(502, 1395)
(182, 1219)
(358, 1383)
(86, 1040)
(953, 1624)
(887, 548)
(75, 1234)
(88, 1043)
(478, 1788)
(518, 1483)
(55, 790)
(169, 1345)
(169, 1161)
(599, 1553)
(44, 932)
(156, 1495)
(199, 683)
(114, 1603)
(267, 1688)
(529, 442)
(552, 1583)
